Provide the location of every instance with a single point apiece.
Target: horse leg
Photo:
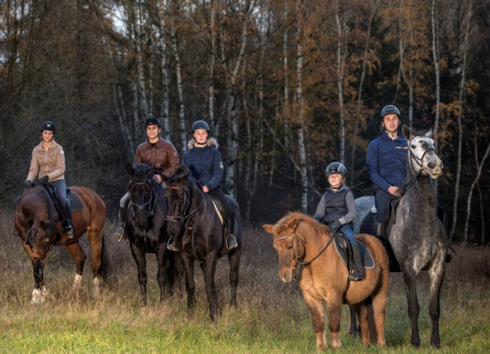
(209, 269)
(39, 291)
(379, 307)
(96, 238)
(234, 259)
(139, 257)
(436, 275)
(163, 274)
(334, 311)
(190, 285)
(413, 304)
(362, 312)
(317, 320)
(79, 258)
(354, 329)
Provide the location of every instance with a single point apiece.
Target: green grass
(271, 317)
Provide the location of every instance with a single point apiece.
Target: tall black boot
(67, 224)
(357, 271)
(230, 239)
(119, 234)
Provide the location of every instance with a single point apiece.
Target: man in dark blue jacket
(387, 164)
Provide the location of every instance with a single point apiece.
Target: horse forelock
(297, 219)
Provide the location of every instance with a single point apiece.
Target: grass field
(271, 317)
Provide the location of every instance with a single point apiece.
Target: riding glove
(335, 225)
(44, 179)
(28, 184)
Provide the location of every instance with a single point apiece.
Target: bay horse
(38, 224)
(146, 229)
(302, 247)
(198, 232)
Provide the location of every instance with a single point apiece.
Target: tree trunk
(211, 66)
(138, 38)
(179, 87)
(435, 56)
(340, 78)
(477, 178)
(460, 126)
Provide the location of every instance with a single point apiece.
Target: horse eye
(289, 247)
(413, 146)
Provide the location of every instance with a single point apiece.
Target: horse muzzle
(286, 276)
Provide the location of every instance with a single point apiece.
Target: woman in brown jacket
(48, 160)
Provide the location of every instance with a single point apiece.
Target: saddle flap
(342, 247)
(218, 207)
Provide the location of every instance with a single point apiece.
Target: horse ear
(43, 224)
(130, 169)
(268, 228)
(183, 177)
(293, 223)
(429, 133)
(406, 132)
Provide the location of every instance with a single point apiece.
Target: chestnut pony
(38, 225)
(303, 247)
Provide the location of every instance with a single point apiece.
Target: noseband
(419, 161)
(180, 219)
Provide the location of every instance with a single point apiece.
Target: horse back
(93, 213)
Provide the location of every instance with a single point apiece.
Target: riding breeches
(228, 211)
(60, 187)
(382, 200)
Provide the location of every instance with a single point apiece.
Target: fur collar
(211, 142)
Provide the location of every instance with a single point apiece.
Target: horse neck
(314, 243)
(197, 195)
(43, 205)
(423, 187)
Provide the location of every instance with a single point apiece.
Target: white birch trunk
(340, 82)
(211, 66)
(179, 87)
(460, 126)
(299, 94)
(286, 80)
(477, 178)
(143, 107)
(435, 56)
(166, 98)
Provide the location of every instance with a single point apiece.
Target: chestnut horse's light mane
(296, 215)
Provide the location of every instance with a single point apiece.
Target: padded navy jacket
(387, 161)
(205, 163)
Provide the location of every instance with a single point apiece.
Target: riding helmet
(390, 109)
(153, 121)
(48, 125)
(336, 168)
(199, 124)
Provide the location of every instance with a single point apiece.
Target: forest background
(287, 87)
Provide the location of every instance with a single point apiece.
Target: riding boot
(171, 245)
(230, 239)
(66, 224)
(357, 270)
(119, 234)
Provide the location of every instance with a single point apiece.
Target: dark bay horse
(199, 235)
(146, 229)
(38, 225)
(302, 246)
(416, 233)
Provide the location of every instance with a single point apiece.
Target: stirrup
(119, 234)
(232, 243)
(171, 245)
(69, 233)
(356, 275)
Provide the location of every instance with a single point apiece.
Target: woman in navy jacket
(387, 164)
(204, 161)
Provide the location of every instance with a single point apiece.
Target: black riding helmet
(390, 109)
(48, 125)
(152, 121)
(336, 168)
(199, 124)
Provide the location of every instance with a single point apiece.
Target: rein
(139, 207)
(31, 242)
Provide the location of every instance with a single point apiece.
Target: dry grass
(271, 317)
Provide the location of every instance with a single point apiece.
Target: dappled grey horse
(416, 234)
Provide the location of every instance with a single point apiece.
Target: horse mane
(297, 216)
(41, 189)
(182, 170)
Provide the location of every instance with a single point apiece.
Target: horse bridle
(31, 242)
(186, 214)
(419, 161)
(300, 240)
(151, 211)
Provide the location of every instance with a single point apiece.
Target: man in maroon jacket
(155, 151)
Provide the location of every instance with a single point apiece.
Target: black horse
(146, 229)
(199, 235)
(417, 235)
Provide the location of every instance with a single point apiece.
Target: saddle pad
(215, 203)
(367, 225)
(75, 202)
(366, 257)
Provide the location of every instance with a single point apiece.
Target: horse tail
(106, 271)
(373, 334)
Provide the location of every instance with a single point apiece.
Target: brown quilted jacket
(50, 163)
(162, 154)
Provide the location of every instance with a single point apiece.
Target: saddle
(344, 250)
(73, 202)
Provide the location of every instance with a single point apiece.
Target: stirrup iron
(233, 243)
